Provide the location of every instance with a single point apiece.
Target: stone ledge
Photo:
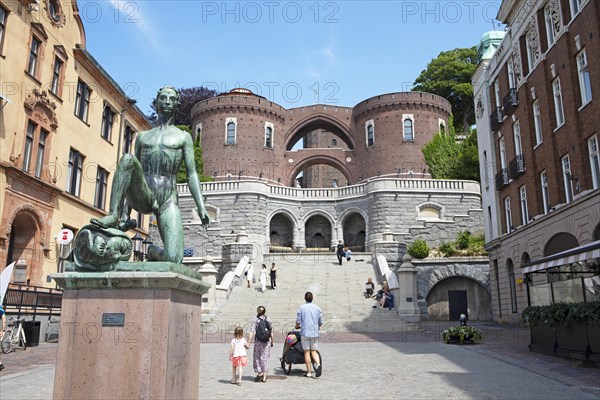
(133, 275)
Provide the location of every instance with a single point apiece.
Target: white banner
(5, 280)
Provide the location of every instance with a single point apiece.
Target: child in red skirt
(237, 354)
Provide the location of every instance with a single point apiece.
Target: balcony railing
(501, 178)
(511, 100)
(517, 166)
(496, 119)
(32, 300)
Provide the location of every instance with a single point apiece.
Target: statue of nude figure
(146, 181)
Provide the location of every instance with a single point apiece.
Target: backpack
(263, 330)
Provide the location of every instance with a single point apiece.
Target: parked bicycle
(13, 336)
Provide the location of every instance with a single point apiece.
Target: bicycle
(14, 337)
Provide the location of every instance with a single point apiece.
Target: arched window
(370, 135)
(230, 133)
(333, 143)
(269, 137)
(408, 130)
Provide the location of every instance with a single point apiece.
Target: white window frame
(524, 209)
(575, 6)
(559, 110)
(272, 127)
(550, 37)
(537, 123)
(517, 137)
(502, 147)
(585, 83)
(545, 192)
(497, 95)
(508, 214)
(371, 123)
(227, 122)
(567, 175)
(512, 82)
(594, 161)
(530, 54)
(411, 118)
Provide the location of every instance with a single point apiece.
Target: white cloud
(129, 12)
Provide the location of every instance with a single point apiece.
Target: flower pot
(572, 341)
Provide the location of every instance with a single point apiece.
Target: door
(457, 304)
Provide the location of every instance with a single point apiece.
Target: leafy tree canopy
(182, 173)
(448, 158)
(187, 98)
(449, 75)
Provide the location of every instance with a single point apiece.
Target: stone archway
(317, 233)
(354, 228)
(25, 243)
(560, 242)
(281, 232)
(456, 295)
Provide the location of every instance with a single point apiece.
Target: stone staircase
(338, 290)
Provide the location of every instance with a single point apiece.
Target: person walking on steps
(309, 319)
(263, 278)
(273, 275)
(341, 254)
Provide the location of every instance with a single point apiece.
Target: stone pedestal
(209, 276)
(406, 304)
(132, 333)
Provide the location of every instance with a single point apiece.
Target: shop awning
(578, 254)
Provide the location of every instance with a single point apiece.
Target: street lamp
(137, 247)
(145, 245)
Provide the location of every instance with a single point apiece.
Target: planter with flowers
(461, 334)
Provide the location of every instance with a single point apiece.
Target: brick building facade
(538, 120)
(245, 135)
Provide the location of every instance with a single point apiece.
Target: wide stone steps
(338, 290)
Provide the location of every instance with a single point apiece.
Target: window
(370, 130)
(594, 161)
(566, 167)
(485, 170)
(108, 116)
(127, 139)
(585, 84)
(558, 103)
(502, 153)
(34, 53)
(39, 162)
(333, 143)
(530, 43)
(537, 122)
(269, 136)
(511, 74)
(524, 210)
(54, 10)
(101, 184)
(549, 24)
(3, 17)
(140, 220)
(513, 285)
(231, 131)
(82, 101)
(508, 215)
(575, 7)
(498, 292)
(545, 192)
(57, 72)
(497, 95)
(75, 172)
(517, 135)
(31, 128)
(408, 129)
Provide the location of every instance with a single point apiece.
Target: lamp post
(137, 247)
(145, 245)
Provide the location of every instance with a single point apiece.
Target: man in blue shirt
(309, 319)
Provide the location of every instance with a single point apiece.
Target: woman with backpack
(262, 332)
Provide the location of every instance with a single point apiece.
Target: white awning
(577, 254)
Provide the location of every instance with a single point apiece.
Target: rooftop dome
(489, 44)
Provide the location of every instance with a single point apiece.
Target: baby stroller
(293, 353)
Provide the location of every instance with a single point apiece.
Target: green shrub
(463, 239)
(559, 313)
(447, 249)
(418, 249)
(461, 333)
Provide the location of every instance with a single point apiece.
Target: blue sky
(295, 53)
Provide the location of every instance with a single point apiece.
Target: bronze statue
(146, 181)
(98, 249)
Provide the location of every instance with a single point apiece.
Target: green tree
(468, 165)
(188, 97)
(449, 75)
(182, 173)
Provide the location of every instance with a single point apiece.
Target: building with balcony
(537, 89)
(64, 122)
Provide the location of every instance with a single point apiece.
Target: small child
(348, 254)
(237, 354)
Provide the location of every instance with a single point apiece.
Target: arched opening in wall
(317, 234)
(22, 246)
(457, 295)
(321, 176)
(320, 132)
(596, 235)
(560, 242)
(281, 231)
(354, 232)
(525, 259)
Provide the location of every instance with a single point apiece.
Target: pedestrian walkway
(396, 365)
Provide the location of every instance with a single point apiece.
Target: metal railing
(32, 301)
(510, 101)
(517, 166)
(501, 178)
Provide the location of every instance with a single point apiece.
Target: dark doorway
(457, 304)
